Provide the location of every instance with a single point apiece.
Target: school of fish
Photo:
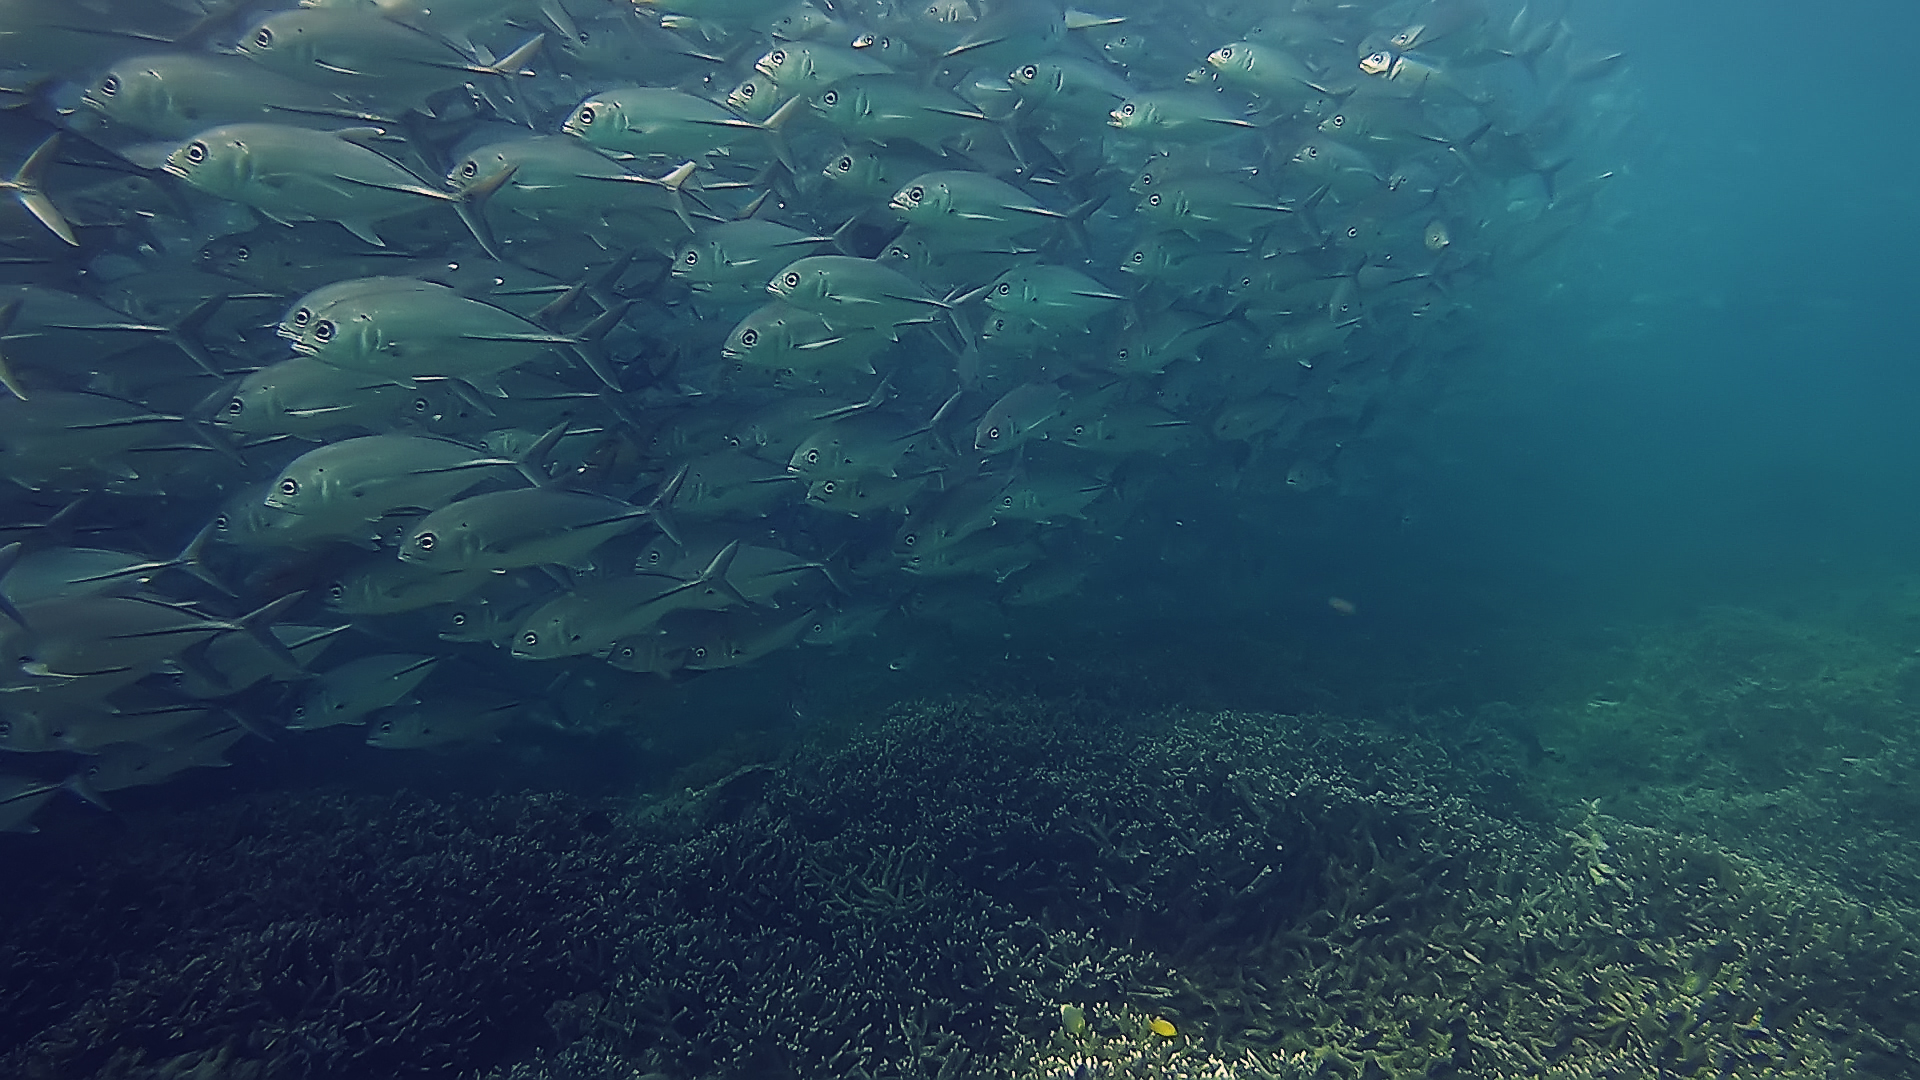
(391, 362)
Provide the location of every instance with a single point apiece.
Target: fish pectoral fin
(364, 230)
(338, 70)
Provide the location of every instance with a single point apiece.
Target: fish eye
(700, 652)
(110, 85)
(197, 152)
(813, 457)
(1029, 72)
(303, 316)
(586, 114)
(831, 97)
(421, 405)
(289, 486)
(864, 41)
(469, 168)
(243, 253)
(1127, 109)
(993, 433)
(424, 541)
(915, 194)
(220, 523)
(529, 639)
(1004, 289)
(263, 38)
(585, 37)
(747, 89)
(1339, 120)
(749, 336)
(338, 592)
(828, 487)
(236, 407)
(1313, 151)
(459, 618)
(1353, 231)
(792, 280)
(845, 164)
(910, 539)
(1153, 199)
(323, 330)
(1139, 257)
(777, 56)
(692, 257)
(1226, 53)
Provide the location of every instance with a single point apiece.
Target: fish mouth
(173, 170)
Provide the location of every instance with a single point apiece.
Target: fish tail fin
(1075, 222)
(716, 575)
(1549, 176)
(753, 207)
(193, 659)
(10, 311)
(939, 417)
(471, 204)
(258, 624)
(832, 568)
(185, 333)
(561, 19)
(192, 558)
(777, 122)
(249, 724)
(588, 344)
(534, 464)
(77, 786)
(514, 63)
(602, 285)
(10, 555)
(676, 184)
(25, 186)
(1309, 218)
(839, 235)
(660, 508)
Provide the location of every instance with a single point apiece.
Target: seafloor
(1681, 846)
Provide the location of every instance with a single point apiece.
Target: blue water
(1639, 573)
(1713, 395)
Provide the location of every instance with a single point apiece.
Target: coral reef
(969, 888)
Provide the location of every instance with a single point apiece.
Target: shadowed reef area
(970, 888)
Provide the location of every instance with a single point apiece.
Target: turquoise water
(1481, 644)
